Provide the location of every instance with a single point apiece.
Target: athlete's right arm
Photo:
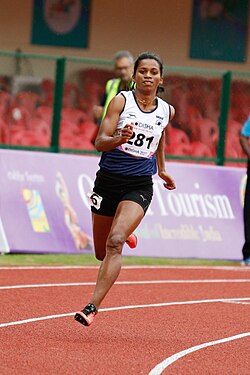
(105, 141)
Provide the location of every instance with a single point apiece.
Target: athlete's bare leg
(101, 229)
(128, 216)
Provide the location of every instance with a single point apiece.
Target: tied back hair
(150, 56)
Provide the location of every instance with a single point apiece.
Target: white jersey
(148, 126)
(137, 156)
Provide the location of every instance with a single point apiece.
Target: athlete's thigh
(101, 228)
(127, 218)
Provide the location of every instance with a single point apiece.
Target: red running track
(200, 326)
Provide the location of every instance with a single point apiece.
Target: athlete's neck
(145, 100)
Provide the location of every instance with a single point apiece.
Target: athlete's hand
(169, 182)
(127, 132)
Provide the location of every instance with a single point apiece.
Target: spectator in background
(123, 67)
(244, 141)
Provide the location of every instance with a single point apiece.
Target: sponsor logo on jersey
(144, 126)
(159, 120)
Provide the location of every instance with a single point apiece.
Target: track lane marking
(237, 302)
(223, 268)
(145, 282)
(163, 304)
(158, 369)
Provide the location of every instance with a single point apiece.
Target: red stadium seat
(74, 115)
(29, 100)
(175, 136)
(89, 130)
(234, 127)
(84, 144)
(44, 112)
(181, 149)
(76, 143)
(25, 137)
(233, 147)
(206, 131)
(69, 128)
(5, 102)
(200, 149)
(4, 132)
(177, 142)
(40, 126)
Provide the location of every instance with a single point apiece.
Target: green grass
(89, 260)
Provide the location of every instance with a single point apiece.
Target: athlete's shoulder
(126, 94)
(167, 109)
(162, 101)
(163, 104)
(119, 98)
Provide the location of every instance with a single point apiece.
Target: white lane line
(26, 286)
(158, 369)
(18, 322)
(145, 282)
(223, 268)
(16, 268)
(163, 304)
(237, 302)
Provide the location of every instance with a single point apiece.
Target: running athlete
(131, 139)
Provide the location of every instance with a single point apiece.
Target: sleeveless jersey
(137, 156)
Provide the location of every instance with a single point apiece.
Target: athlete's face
(124, 69)
(148, 74)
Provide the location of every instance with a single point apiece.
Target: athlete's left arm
(160, 158)
(172, 112)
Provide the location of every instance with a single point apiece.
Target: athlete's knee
(115, 243)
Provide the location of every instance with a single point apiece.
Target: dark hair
(151, 56)
(146, 56)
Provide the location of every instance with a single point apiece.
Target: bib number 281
(140, 140)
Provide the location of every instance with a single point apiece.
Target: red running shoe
(132, 241)
(87, 315)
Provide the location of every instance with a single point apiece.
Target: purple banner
(44, 208)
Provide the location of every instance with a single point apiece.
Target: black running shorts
(110, 189)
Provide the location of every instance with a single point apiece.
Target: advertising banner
(44, 208)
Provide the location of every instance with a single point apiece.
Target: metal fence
(46, 103)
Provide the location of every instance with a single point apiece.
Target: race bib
(143, 142)
(95, 200)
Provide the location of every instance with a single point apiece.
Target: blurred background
(56, 56)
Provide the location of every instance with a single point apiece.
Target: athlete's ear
(133, 78)
(161, 81)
